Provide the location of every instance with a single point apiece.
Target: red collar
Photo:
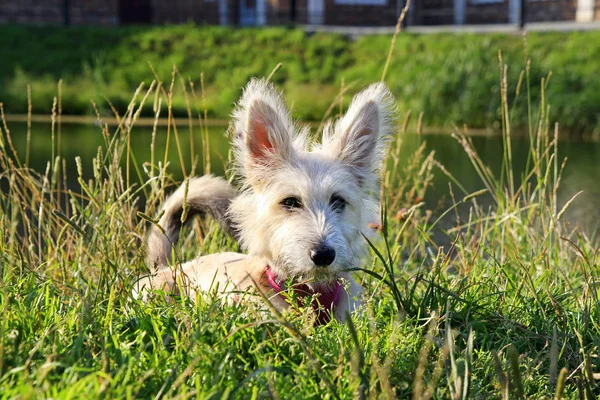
(324, 304)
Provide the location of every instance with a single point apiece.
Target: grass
(451, 78)
(509, 309)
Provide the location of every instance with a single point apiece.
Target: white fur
(275, 160)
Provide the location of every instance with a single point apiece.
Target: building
(281, 12)
(460, 12)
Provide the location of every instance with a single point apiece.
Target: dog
(301, 213)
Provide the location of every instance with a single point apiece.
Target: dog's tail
(205, 195)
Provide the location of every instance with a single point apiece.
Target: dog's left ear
(359, 138)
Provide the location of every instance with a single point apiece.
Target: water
(582, 171)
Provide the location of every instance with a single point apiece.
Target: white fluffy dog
(300, 214)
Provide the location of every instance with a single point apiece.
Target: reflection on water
(582, 170)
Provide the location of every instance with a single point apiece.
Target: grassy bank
(452, 79)
(509, 309)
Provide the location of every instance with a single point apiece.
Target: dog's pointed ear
(262, 127)
(262, 131)
(359, 138)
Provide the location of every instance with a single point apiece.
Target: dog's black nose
(322, 256)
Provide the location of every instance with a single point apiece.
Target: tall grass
(508, 308)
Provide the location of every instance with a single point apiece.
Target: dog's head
(305, 205)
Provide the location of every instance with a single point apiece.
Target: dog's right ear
(262, 127)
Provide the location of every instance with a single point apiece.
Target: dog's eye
(291, 203)
(337, 203)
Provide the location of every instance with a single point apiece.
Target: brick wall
(550, 10)
(100, 12)
(180, 11)
(302, 11)
(32, 11)
(434, 12)
(487, 13)
(360, 15)
(278, 11)
(81, 12)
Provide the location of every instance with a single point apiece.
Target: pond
(582, 171)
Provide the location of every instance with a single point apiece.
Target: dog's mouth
(313, 284)
(315, 276)
(322, 275)
(327, 294)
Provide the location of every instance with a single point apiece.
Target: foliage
(451, 78)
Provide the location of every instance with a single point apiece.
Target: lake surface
(582, 170)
